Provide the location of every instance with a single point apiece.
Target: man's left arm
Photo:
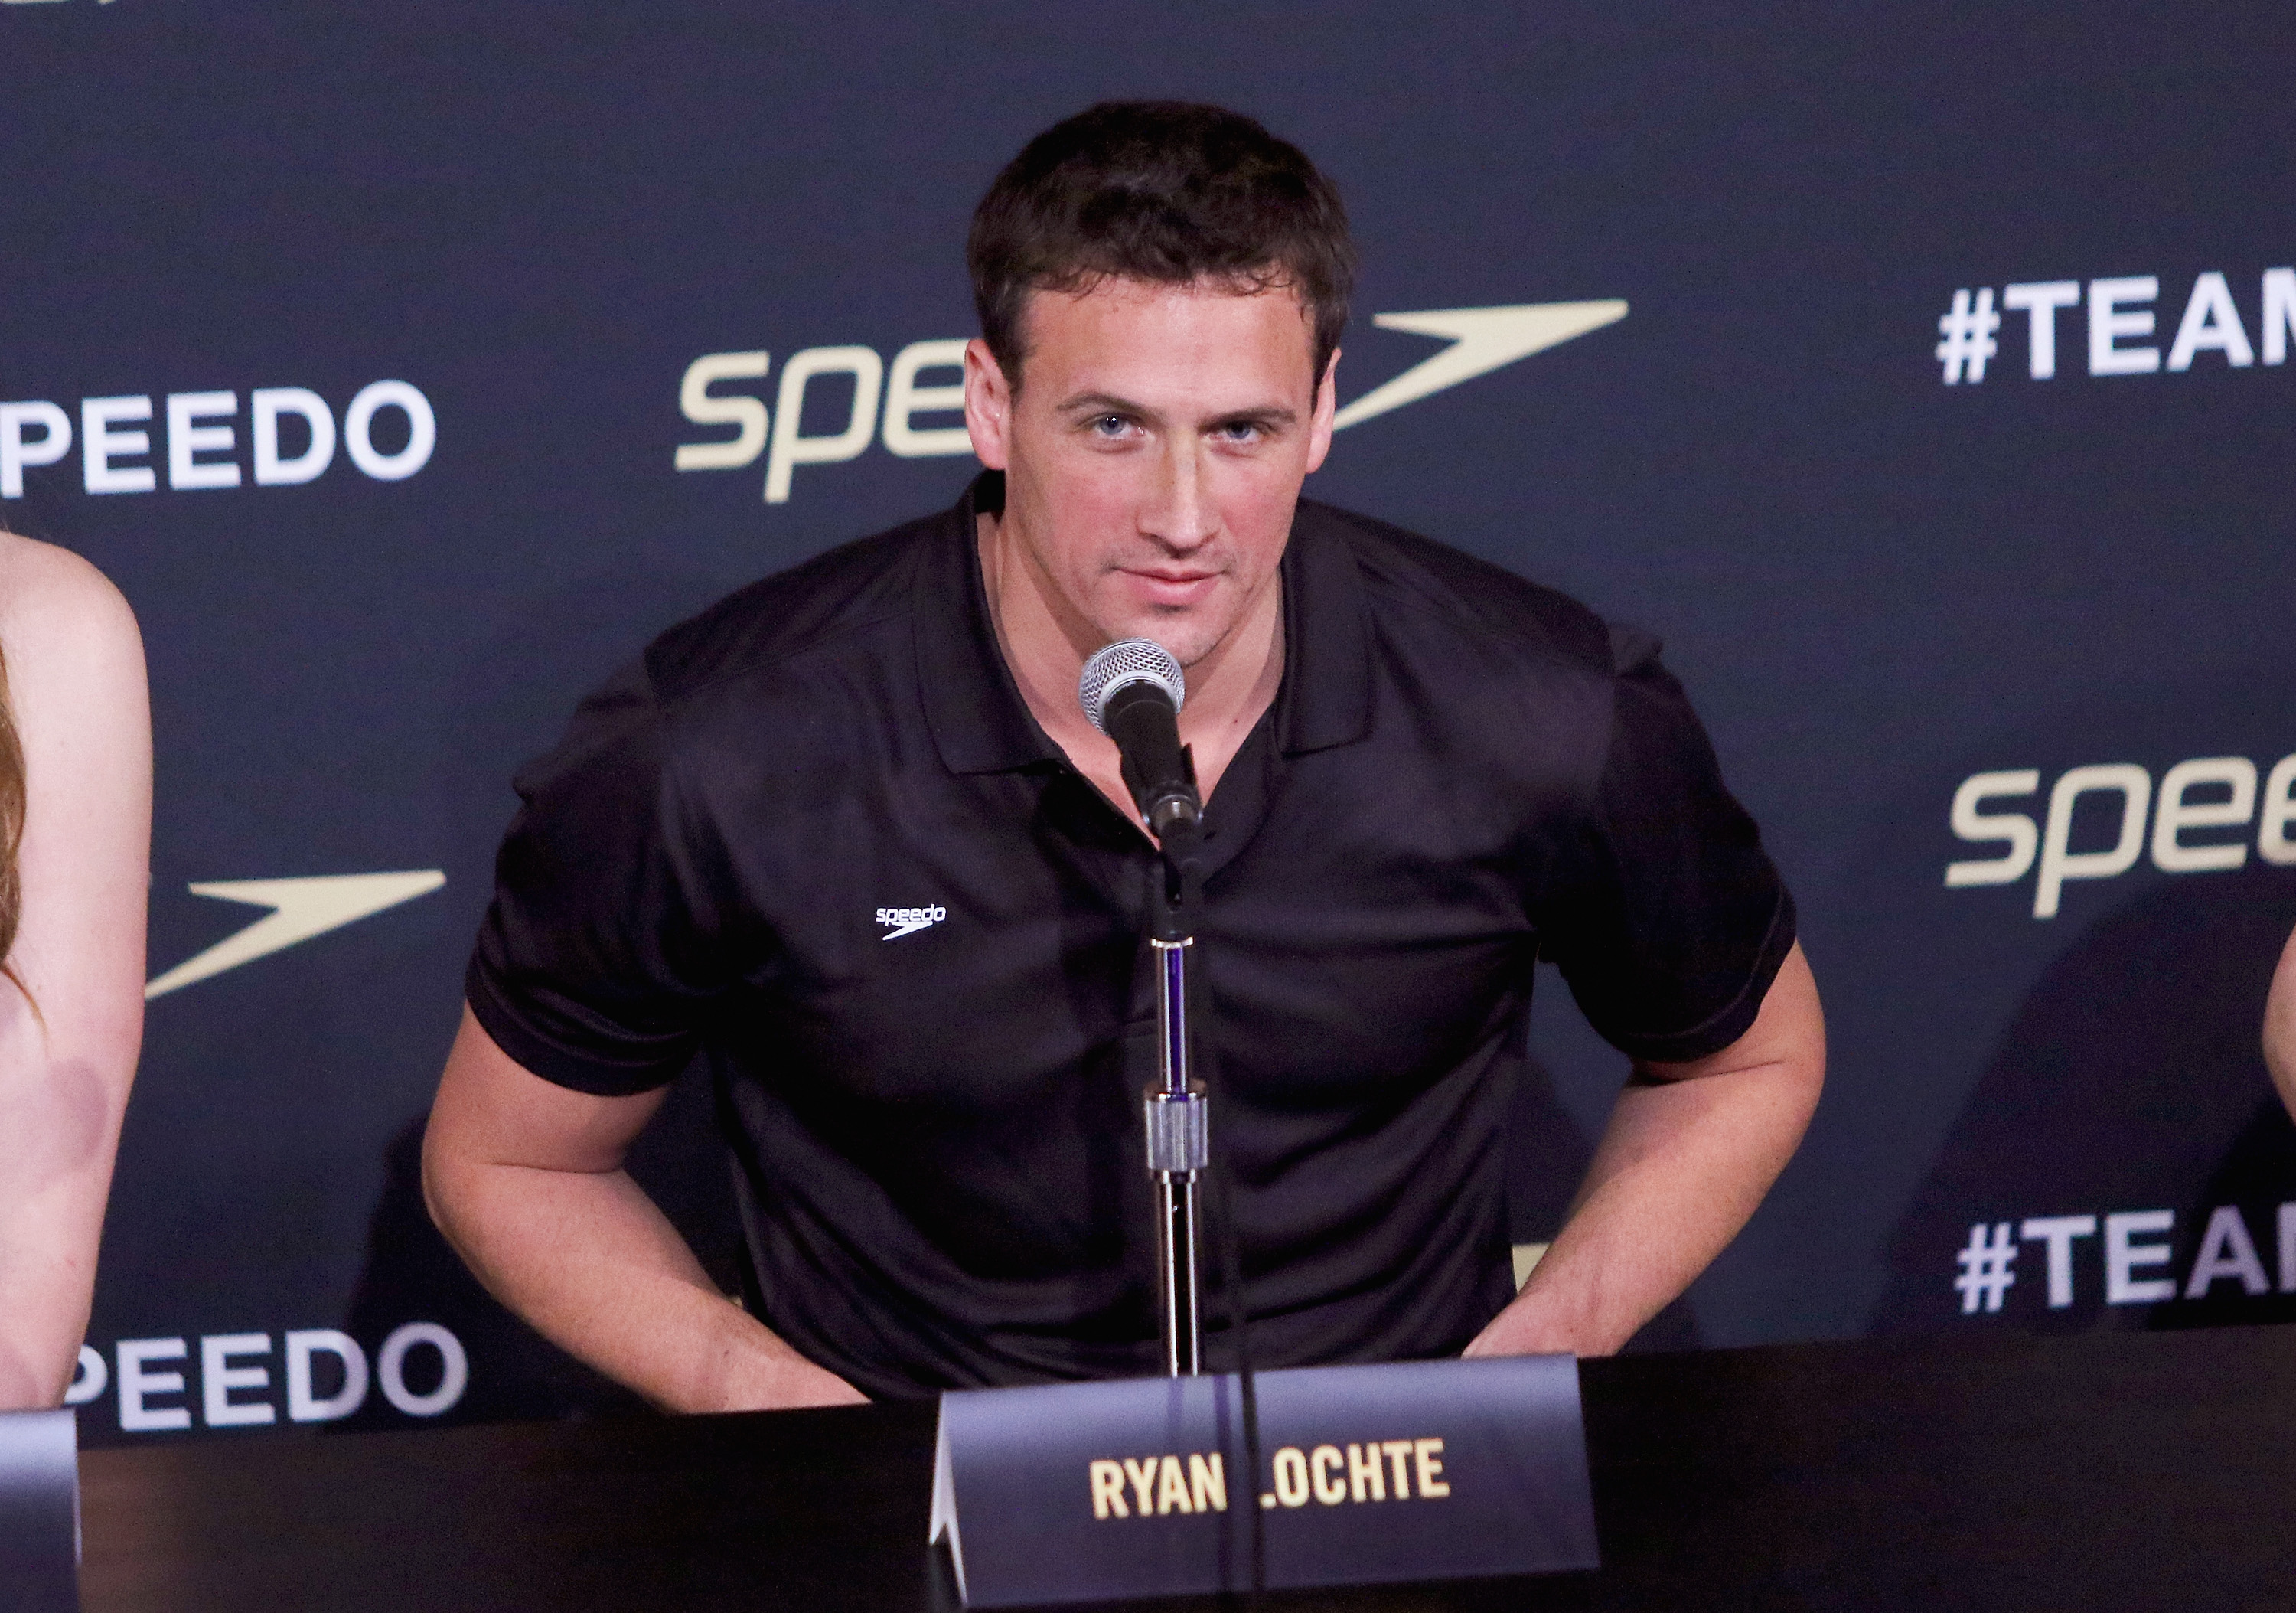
(1689, 1152)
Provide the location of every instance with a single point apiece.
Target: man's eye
(1241, 432)
(1110, 425)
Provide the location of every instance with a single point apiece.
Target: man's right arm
(525, 1179)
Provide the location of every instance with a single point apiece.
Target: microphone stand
(1179, 1111)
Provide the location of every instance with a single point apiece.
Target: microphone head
(1128, 660)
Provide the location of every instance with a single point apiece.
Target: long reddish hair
(12, 826)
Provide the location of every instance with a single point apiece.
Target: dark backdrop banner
(1921, 372)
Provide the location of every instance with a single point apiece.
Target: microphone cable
(1240, 1327)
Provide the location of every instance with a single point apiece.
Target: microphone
(1132, 691)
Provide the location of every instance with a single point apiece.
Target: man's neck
(1228, 689)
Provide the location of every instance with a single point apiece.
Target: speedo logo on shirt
(908, 921)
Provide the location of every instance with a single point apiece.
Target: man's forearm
(524, 1177)
(1684, 1162)
(590, 1262)
(1672, 1201)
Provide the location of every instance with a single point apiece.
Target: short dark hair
(1165, 192)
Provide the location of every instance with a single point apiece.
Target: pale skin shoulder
(70, 1037)
(2280, 1026)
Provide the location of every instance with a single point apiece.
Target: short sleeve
(1667, 917)
(594, 967)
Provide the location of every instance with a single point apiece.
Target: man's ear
(1327, 403)
(987, 406)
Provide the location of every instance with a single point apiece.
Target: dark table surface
(2114, 1471)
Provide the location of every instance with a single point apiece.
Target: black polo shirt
(814, 836)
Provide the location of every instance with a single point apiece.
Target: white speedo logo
(908, 921)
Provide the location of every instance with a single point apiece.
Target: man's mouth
(1172, 586)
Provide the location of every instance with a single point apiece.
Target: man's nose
(1179, 515)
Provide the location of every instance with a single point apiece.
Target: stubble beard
(1191, 634)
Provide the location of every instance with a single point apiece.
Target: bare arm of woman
(71, 1020)
(2280, 1026)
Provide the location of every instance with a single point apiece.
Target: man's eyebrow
(1108, 403)
(1102, 403)
(1267, 413)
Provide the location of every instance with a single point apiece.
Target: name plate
(1140, 1487)
(40, 1512)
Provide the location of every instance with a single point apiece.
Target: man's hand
(525, 1179)
(1689, 1153)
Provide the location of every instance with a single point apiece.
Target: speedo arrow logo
(300, 909)
(1483, 340)
(908, 921)
(1478, 341)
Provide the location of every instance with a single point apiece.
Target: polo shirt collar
(974, 708)
(981, 723)
(1324, 699)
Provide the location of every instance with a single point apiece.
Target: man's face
(1154, 454)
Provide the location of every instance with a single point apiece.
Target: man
(847, 835)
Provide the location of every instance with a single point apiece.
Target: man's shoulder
(1414, 582)
(848, 597)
